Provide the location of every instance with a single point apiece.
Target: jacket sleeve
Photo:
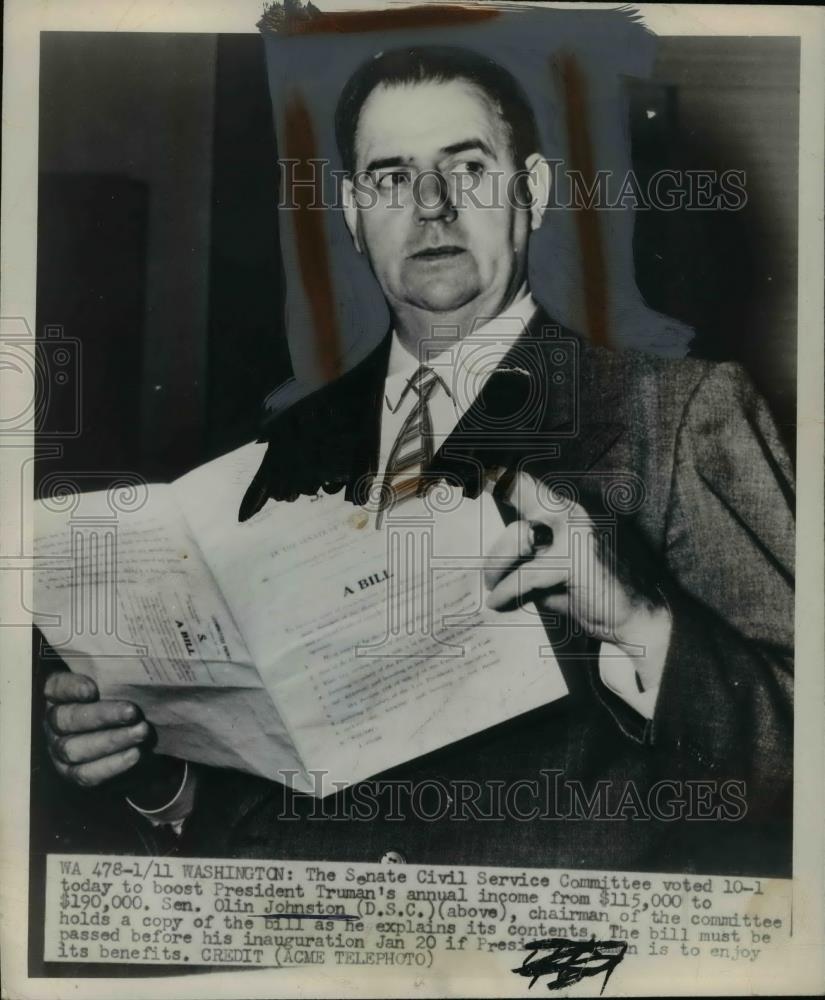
(725, 701)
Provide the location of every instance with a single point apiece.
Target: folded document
(311, 644)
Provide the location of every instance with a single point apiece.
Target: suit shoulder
(293, 404)
(283, 398)
(672, 387)
(679, 375)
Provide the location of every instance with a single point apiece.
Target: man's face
(430, 246)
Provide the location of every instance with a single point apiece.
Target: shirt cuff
(175, 812)
(636, 677)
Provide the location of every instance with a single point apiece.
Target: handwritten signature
(571, 961)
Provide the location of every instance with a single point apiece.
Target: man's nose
(432, 198)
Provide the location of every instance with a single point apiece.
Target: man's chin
(445, 299)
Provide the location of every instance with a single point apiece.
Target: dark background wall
(157, 243)
(729, 103)
(158, 235)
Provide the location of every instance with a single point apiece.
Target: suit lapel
(328, 438)
(545, 401)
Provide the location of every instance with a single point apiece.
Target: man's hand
(91, 741)
(552, 555)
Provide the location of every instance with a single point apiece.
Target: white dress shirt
(463, 370)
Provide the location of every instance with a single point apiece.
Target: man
(680, 682)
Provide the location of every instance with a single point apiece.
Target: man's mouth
(438, 253)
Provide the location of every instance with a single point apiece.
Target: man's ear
(351, 212)
(539, 185)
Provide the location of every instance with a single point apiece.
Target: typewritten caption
(556, 925)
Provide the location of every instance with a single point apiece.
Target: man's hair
(437, 64)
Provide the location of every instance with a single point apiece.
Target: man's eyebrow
(465, 144)
(452, 149)
(387, 161)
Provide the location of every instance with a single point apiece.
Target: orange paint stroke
(310, 237)
(591, 247)
(423, 16)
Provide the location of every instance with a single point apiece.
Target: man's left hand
(553, 555)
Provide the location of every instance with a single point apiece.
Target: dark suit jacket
(683, 458)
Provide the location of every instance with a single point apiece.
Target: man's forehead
(421, 118)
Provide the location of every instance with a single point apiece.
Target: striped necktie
(412, 450)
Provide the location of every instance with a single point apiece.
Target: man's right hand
(91, 740)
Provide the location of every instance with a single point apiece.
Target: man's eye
(392, 179)
(469, 167)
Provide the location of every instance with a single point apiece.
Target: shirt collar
(477, 355)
